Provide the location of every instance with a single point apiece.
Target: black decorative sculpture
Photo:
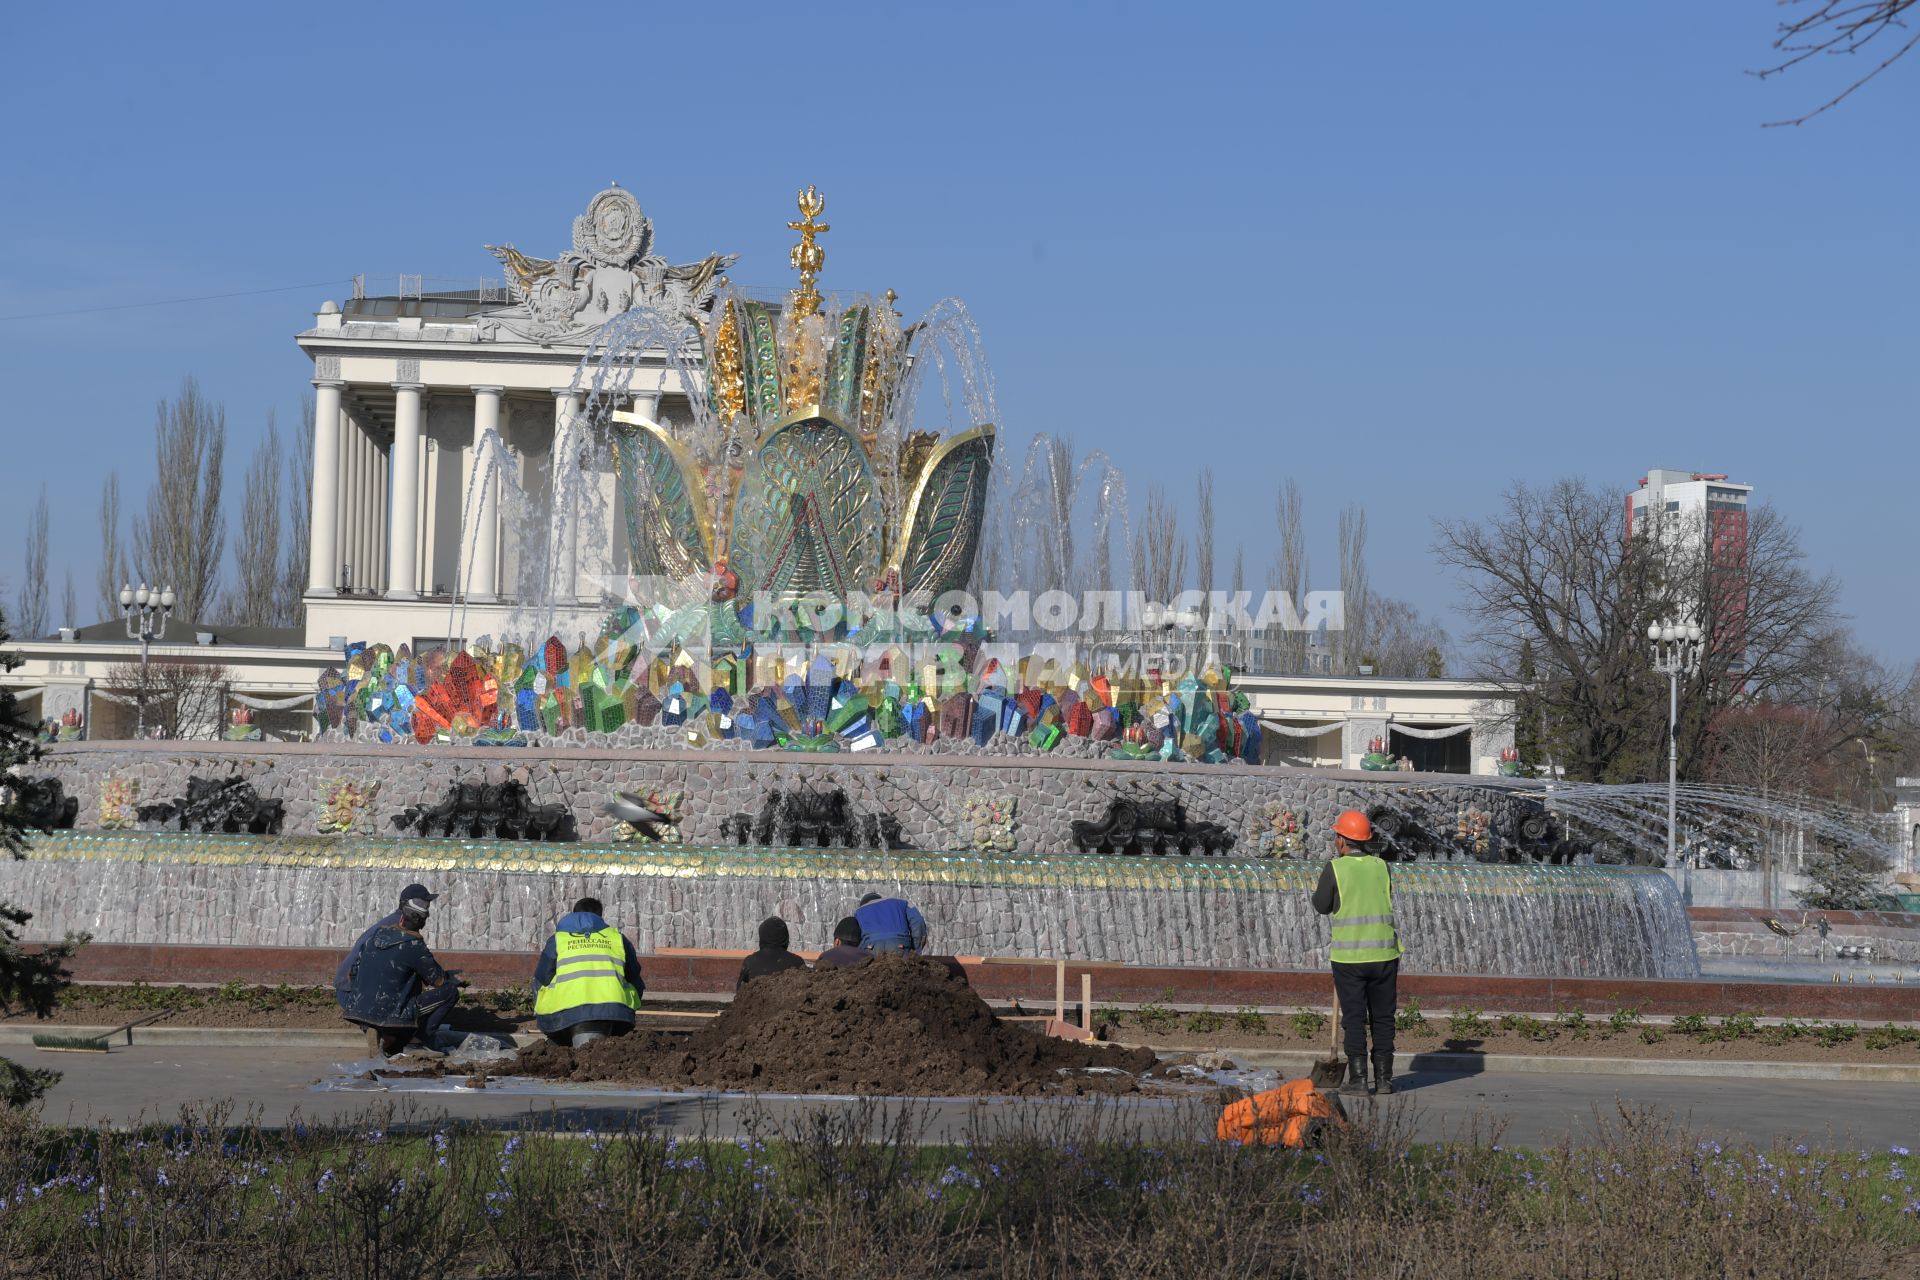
(1157, 827)
(478, 811)
(43, 803)
(1399, 837)
(228, 805)
(1531, 833)
(797, 818)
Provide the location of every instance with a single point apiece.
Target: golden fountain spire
(807, 257)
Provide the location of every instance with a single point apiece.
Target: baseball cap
(417, 893)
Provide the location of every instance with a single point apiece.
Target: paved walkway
(153, 1082)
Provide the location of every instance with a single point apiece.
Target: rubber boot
(1356, 1081)
(1383, 1073)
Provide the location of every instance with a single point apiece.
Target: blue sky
(1404, 253)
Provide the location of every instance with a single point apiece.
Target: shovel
(1328, 1072)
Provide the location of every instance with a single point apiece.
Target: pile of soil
(899, 1025)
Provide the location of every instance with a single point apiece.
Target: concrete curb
(1287, 1061)
(1298, 1062)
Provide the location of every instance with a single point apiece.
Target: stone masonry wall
(928, 794)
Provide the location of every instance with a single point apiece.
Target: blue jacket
(584, 922)
(346, 961)
(891, 925)
(385, 979)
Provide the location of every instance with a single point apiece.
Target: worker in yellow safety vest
(587, 983)
(1357, 892)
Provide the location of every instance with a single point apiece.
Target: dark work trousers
(432, 1008)
(429, 1010)
(1367, 993)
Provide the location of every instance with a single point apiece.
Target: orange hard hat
(1354, 826)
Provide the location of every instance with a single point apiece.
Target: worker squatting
(587, 982)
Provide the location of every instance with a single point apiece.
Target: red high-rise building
(1695, 505)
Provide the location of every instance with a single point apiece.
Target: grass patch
(1528, 1028)
(1156, 1018)
(1625, 1018)
(1205, 1022)
(1021, 1192)
(1308, 1023)
(1467, 1024)
(1888, 1036)
(1249, 1020)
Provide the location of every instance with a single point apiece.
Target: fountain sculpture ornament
(788, 547)
(799, 501)
(610, 269)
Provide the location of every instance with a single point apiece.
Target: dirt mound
(900, 1025)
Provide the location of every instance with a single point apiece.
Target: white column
(403, 473)
(563, 519)
(380, 514)
(423, 526)
(356, 518)
(482, 541)
(324, 531)
(615, 558)
(373, 505)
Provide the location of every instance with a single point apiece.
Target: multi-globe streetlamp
(146, 611)
(1676, 652)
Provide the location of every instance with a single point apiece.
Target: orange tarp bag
(1291, 1115)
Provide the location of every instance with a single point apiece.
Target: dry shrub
(1051, 1191)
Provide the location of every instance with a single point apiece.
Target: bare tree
(1061, 477)
(1549, 582)
(1356, 597)
(114, 570)
(260, 576)
(1290, 574)
(32, 606)
(1551, 577)
(183, 700)
(1841, 28)
(1203, 538)
(1235, 587)
(178, 541)
(1405, 643)
(299, 524)
(1159, 552)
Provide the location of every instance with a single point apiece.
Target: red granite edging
(1032, 982)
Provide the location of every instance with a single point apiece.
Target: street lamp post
(1676, 652)
(143, 609)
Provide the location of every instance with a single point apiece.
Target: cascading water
(1216, 913)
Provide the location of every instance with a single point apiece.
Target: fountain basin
(313, 891)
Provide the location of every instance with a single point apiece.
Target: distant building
(1691, 506)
